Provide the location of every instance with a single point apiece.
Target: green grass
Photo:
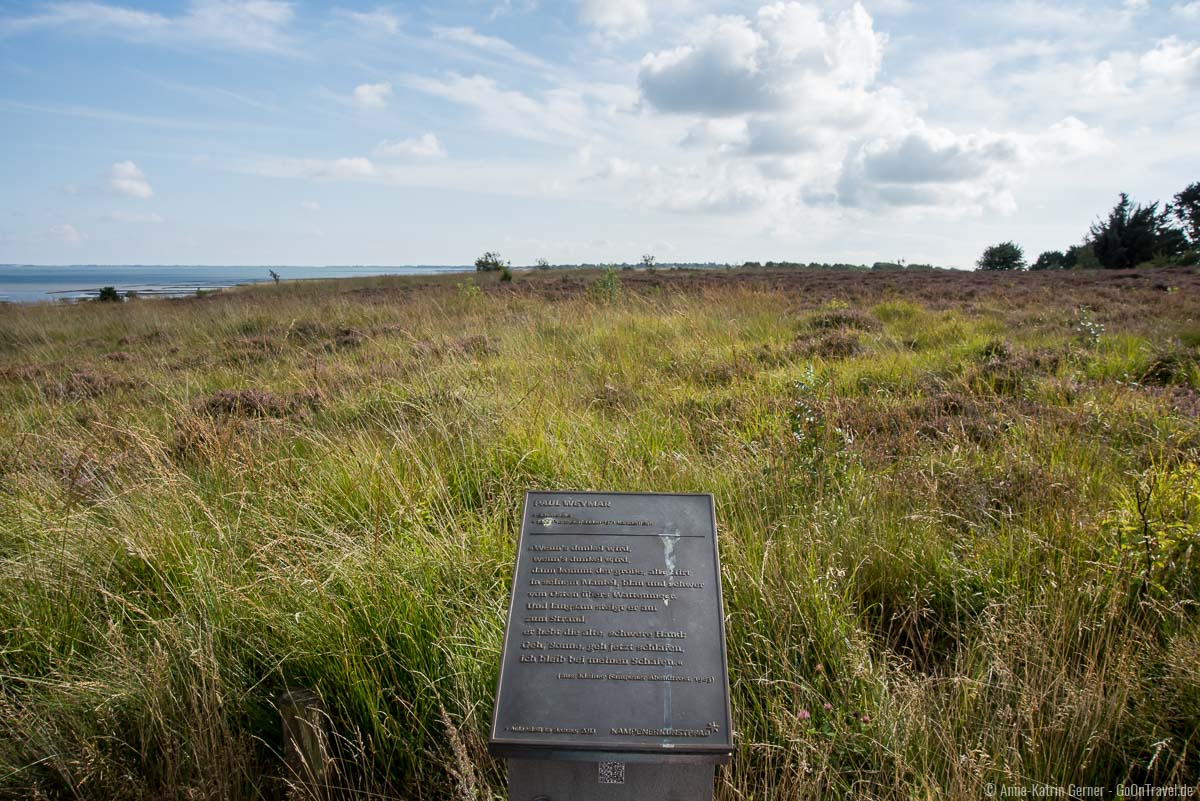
(957, 527)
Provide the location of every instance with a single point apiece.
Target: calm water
(25, 283)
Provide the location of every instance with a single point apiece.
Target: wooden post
(305, 743)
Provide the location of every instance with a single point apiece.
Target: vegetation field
(959, 519)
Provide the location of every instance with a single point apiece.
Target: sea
(29, 283)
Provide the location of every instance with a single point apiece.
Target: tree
(1005, 256)
(647, 260)
(1134, 234)
(1050, 260)
(108, 294)
(489, 262)
(1080, 257)
(542, 264)
(1187, 211)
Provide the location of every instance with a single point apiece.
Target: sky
(268, 132)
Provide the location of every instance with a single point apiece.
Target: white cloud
(251, 25)
(310, 205)
(718, 72)
(92, 17)
(1053, 18)
(125, 178)
(891, 7)
(784, 110)
(352, 168)
(1071, 138)
(620, 18)
(506, 7)
(934, 156)
(421, 147)
(246, 25)
(788, 56)
(65, 233)
(341, 169)
(372, 95)
(556, 114)
(719, 133)
(488, 44)
(149, 218)
(378, 21)
(1172, 61)
(1189, 11)
(930, 167)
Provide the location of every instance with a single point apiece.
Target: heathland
(959, 518)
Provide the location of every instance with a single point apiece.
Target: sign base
(573, 780)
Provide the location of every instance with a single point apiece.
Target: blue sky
(264, 132)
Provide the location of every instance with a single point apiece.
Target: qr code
(612, 773)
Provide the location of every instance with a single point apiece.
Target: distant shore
(23, 283)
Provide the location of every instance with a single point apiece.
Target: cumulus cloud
(621, 18)
(1145, 83)
(370, 96)
(934, 157)
(1173, 61)
(718, 72)
(789, 54)
(781, 135)
(149, 218)
(125, 178)
(928, 167)
(786, 110)
(1071, 138)
(1189, 11)
(721, 134)
(425, 146)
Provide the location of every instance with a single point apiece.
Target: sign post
(613, 678)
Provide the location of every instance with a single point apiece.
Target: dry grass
(958, 518)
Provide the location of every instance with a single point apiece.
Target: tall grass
(959, 534)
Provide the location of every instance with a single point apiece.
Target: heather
(959, 518)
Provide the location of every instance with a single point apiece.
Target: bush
(1050, 260)
(607, 286)
(489, 262)
(505, 273)
(1005, 256)
(108, 294)
(1080, 257)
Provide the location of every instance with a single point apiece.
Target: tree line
(1132, 235)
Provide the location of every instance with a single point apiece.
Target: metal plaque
(615, 638)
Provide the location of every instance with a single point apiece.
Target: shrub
(489, 262)
(108, 294)
(505, 273)
(1082, 257)
(1004, 256)
(607, 286)
(1050, 260)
